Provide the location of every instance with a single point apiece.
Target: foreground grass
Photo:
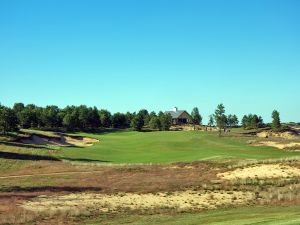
(169, 147)
(239, 216)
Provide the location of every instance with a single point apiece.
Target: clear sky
(154, 54)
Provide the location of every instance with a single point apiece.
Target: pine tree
(196, 117)
(211, 121)
(276, 120)
(220, 118)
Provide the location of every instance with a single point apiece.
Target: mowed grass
(239, 216)
(169, 147)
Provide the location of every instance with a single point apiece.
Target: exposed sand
(278, 144)
(59, 141)
(80, 141)
(187, 200)
(284, 135)
(261, 171)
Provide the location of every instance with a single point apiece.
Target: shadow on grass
(84, 160)
(17, 144)
(35, 146)
(24, 156)
(101, 131)
(49, 189)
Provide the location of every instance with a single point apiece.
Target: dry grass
(127, 179)
(179, 201)
(139, 181)
(262, 171)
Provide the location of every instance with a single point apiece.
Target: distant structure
(179, 117)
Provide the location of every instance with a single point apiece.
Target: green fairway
(239, 216)
(168, 147)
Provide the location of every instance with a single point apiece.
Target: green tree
(235, 121)
(152, 114)
(18, 108)
(154, 123)
(119, 120)
(244, 121)
(137, 122)
(83, 117)
(129, 117)
(70, 119)
(211, 121)
(220, 118)
(8, 120)
(93, 118)
(229, 120)
(260, 122)
(49, 116)
(196, 117)
(28, 117)
(105, 118)
(252, 121)
(276, 124)
(165, 121)
(145, 116)
(232, 120)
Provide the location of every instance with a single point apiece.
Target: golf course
(158, 112)
(169, 147)
(117, 176)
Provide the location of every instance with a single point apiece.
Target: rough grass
(225, 153)
(32, 183)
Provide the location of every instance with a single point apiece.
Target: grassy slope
(167, 147)
(239, 216)
(10, 157)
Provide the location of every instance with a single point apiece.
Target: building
(179, 117)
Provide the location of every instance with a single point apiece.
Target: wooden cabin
(179, 117)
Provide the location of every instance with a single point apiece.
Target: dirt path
(50, 174)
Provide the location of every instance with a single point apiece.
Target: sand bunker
(284, 135)
(80, 141)
(59, 141)
(187, 200)
(262, 171)
(291, 145)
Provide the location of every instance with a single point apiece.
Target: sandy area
(284, 135)
(261, 171)
(80, 141)
(59, 141)
(186, 200)
(278, 144)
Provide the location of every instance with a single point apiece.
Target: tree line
(73, 118)
(250, 121)
(83, 118)
(221, 120)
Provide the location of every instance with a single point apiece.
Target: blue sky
(154, 54)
